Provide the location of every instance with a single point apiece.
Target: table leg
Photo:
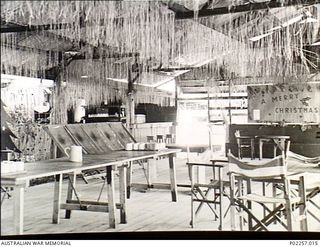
(71, 185)
(18, 207)
(123, 194)
(110, 190)
(151, 171)
(129, 178)
(173, 177)
(57, 199)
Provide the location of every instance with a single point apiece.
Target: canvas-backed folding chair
(208, 193)
(312, 182)
(273, 171)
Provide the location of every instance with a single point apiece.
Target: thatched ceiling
(59, 31)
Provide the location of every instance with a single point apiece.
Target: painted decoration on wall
(294, 103)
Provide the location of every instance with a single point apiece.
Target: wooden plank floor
(150, 210)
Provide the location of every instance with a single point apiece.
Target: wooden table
(193, 148)
(118, 160)
(197, 148)
(278, 141)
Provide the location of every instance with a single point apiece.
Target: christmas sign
(294, 103)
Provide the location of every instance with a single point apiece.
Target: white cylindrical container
(6, 167)
(136, 146)
(129, 146)
(142, 146)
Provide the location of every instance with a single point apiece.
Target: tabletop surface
(192, 147)
(245, 137)
(272, 136)
(63, 165)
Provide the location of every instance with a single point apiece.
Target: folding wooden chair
(273, 171)
(312, 183)
(210, 193)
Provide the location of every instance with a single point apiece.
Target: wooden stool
(160, 138)
(149, 138)
(169, 138)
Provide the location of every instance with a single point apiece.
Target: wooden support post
(229, 108)
(131, 112)
(123, 193)
(57, 199)
(110, 191)
(18, 206)
(173, 177)
(71, 185)
(134, 71)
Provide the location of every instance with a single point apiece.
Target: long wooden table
(118, 160)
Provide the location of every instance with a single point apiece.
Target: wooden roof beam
(244, 8)
(31, 28)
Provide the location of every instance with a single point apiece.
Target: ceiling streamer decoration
(149, 29)
(224, 41)
(144, 27)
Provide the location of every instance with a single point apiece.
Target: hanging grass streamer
(103, 28)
